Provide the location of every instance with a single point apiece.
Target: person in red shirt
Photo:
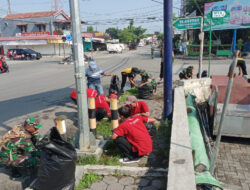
(102, 107)
(131, 136)
(90, 93)
(137, 107)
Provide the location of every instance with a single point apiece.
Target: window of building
(41, 27)
(22, 27)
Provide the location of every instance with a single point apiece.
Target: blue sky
(101, 14)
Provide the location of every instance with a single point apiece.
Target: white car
(114, 48)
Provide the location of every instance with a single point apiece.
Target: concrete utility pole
(83, 122)
(168, 59)
(9, 8)
(56, 5)
(201, 37)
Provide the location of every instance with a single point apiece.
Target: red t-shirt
(90, 93)
(100, 102)
(141, 107)
(137, 134)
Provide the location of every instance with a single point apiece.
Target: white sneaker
(128, 161)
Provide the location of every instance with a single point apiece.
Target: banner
(231, 14)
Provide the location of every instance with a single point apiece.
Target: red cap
(113, 96)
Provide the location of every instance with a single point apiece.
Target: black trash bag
(57, 165)
(114, 85)
(151, 129)
(145, 92)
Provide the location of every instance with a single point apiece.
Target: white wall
(47, 49)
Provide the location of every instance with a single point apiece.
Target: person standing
(131, 74)
(93, 74)
(132, 137)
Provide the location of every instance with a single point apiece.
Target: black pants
(124, 79)
(100, 114)
(126, 147)
(161, 72)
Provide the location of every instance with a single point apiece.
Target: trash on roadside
(58, 163)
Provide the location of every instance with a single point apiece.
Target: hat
(33, 121)
(135, 70)
(114, 96)
(142, 71)
(92, 64)
(130, 99)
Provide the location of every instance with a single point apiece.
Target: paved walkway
(129, 183)
(233, 166)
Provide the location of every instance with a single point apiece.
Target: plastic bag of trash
(57, 165)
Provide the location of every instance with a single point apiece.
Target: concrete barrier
(181, 168)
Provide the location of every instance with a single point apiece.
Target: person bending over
(129, 73)
(131, 136)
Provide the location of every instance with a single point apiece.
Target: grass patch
(164, 130)
(110, 156)
(87, 180)
(104, 127)
(130, 92)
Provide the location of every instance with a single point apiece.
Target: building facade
(40, 31)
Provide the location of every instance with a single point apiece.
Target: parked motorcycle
(3, 66)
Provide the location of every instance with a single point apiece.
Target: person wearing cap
(187, 73)
(146, 79)
(137, 108)
(93, 74)
(18, 146)
(131, 136)
(129, 73)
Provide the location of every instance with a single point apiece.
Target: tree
(126, 36)
(138, 32)
(112, 32)
(90, 29)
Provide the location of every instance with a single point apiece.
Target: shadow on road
(13, 108)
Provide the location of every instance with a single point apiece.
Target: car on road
(132, 46)
(23, 54)
(114, 48)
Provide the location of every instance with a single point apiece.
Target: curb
(122, 170)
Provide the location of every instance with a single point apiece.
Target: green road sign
(187, 23)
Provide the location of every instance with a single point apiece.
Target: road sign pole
(201, 36)
(210, 45)
(234, 40)
(224, 109)
(78, 58)
(168, 49)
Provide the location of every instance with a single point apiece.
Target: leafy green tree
(90, 29)
(126, 36)
(138, 33)
(112, 32)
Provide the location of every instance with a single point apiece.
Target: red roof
(31, 38)
(35, 14)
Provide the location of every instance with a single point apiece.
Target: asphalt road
(41, 88)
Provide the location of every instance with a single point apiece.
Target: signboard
(99, 34)
(69, 38)
(55, 41)
(218, 14)
(188, 23)
(231, 14)
(35, 33)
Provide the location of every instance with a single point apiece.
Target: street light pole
(168, 59)
(83, 123)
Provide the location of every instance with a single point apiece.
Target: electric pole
(168, 58)
(82, 105)
(9, 8)
(56, 5)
